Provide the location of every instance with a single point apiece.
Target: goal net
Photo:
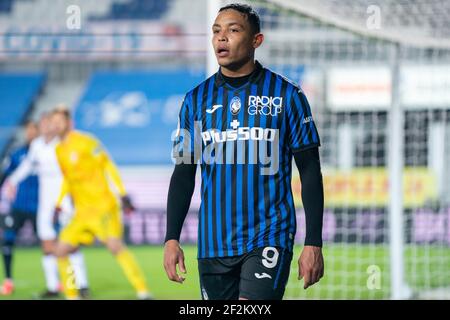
(377, 75)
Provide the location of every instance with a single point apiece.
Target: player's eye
(234, 30)
(215, 31)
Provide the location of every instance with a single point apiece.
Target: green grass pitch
(345, 273)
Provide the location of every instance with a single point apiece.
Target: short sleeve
(302, 131)
(183, 150)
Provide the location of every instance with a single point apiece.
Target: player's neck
(240, 71)
(65, 135)
(48, 138)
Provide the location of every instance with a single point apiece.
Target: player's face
(60, 124)
(233, 39)
(44, 126)
(31, 132)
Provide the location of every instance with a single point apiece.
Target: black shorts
(261, 274)
(15, 220)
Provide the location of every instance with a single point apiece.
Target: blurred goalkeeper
(87, 170)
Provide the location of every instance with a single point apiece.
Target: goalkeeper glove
(127, 205)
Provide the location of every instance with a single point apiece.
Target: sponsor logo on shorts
(205, 295)
(262, 275)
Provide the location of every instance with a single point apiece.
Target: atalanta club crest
(235, 105)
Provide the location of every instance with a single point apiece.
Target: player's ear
(258, 40)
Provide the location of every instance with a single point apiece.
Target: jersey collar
(256, 75)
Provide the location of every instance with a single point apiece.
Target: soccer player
(87, 170)
(245, 124)
(42, 158)
(23, 207)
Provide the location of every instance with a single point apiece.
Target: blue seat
(137, 10)
(18, 92)
(6, 6)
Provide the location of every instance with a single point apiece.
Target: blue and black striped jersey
(244, 139)
(27, 191)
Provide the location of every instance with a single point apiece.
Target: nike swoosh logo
(214, 108)
(262, 275)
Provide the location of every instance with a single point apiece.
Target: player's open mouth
(222, 52)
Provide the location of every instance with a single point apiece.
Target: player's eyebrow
(216, 25)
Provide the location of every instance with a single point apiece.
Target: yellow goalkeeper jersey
(87, 173)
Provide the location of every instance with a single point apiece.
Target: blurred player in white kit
(42, 160)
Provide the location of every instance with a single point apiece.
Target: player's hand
(310, 265)
(127, 205)
(10, 190)
(173, 255)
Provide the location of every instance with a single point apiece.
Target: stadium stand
(136, 10)
(5, 6)
(19, 91)
(119, 107)
(30, 12)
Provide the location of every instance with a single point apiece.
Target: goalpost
(377, 74)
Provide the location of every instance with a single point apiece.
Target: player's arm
(8, 167)
(18, 171)
(181, 189)
(11, 163)
(113, 173)
(304, 142)
(23, 170)
(63, 192)
(311, 266)
(64, 188)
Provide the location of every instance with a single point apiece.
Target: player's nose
(221, 36)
